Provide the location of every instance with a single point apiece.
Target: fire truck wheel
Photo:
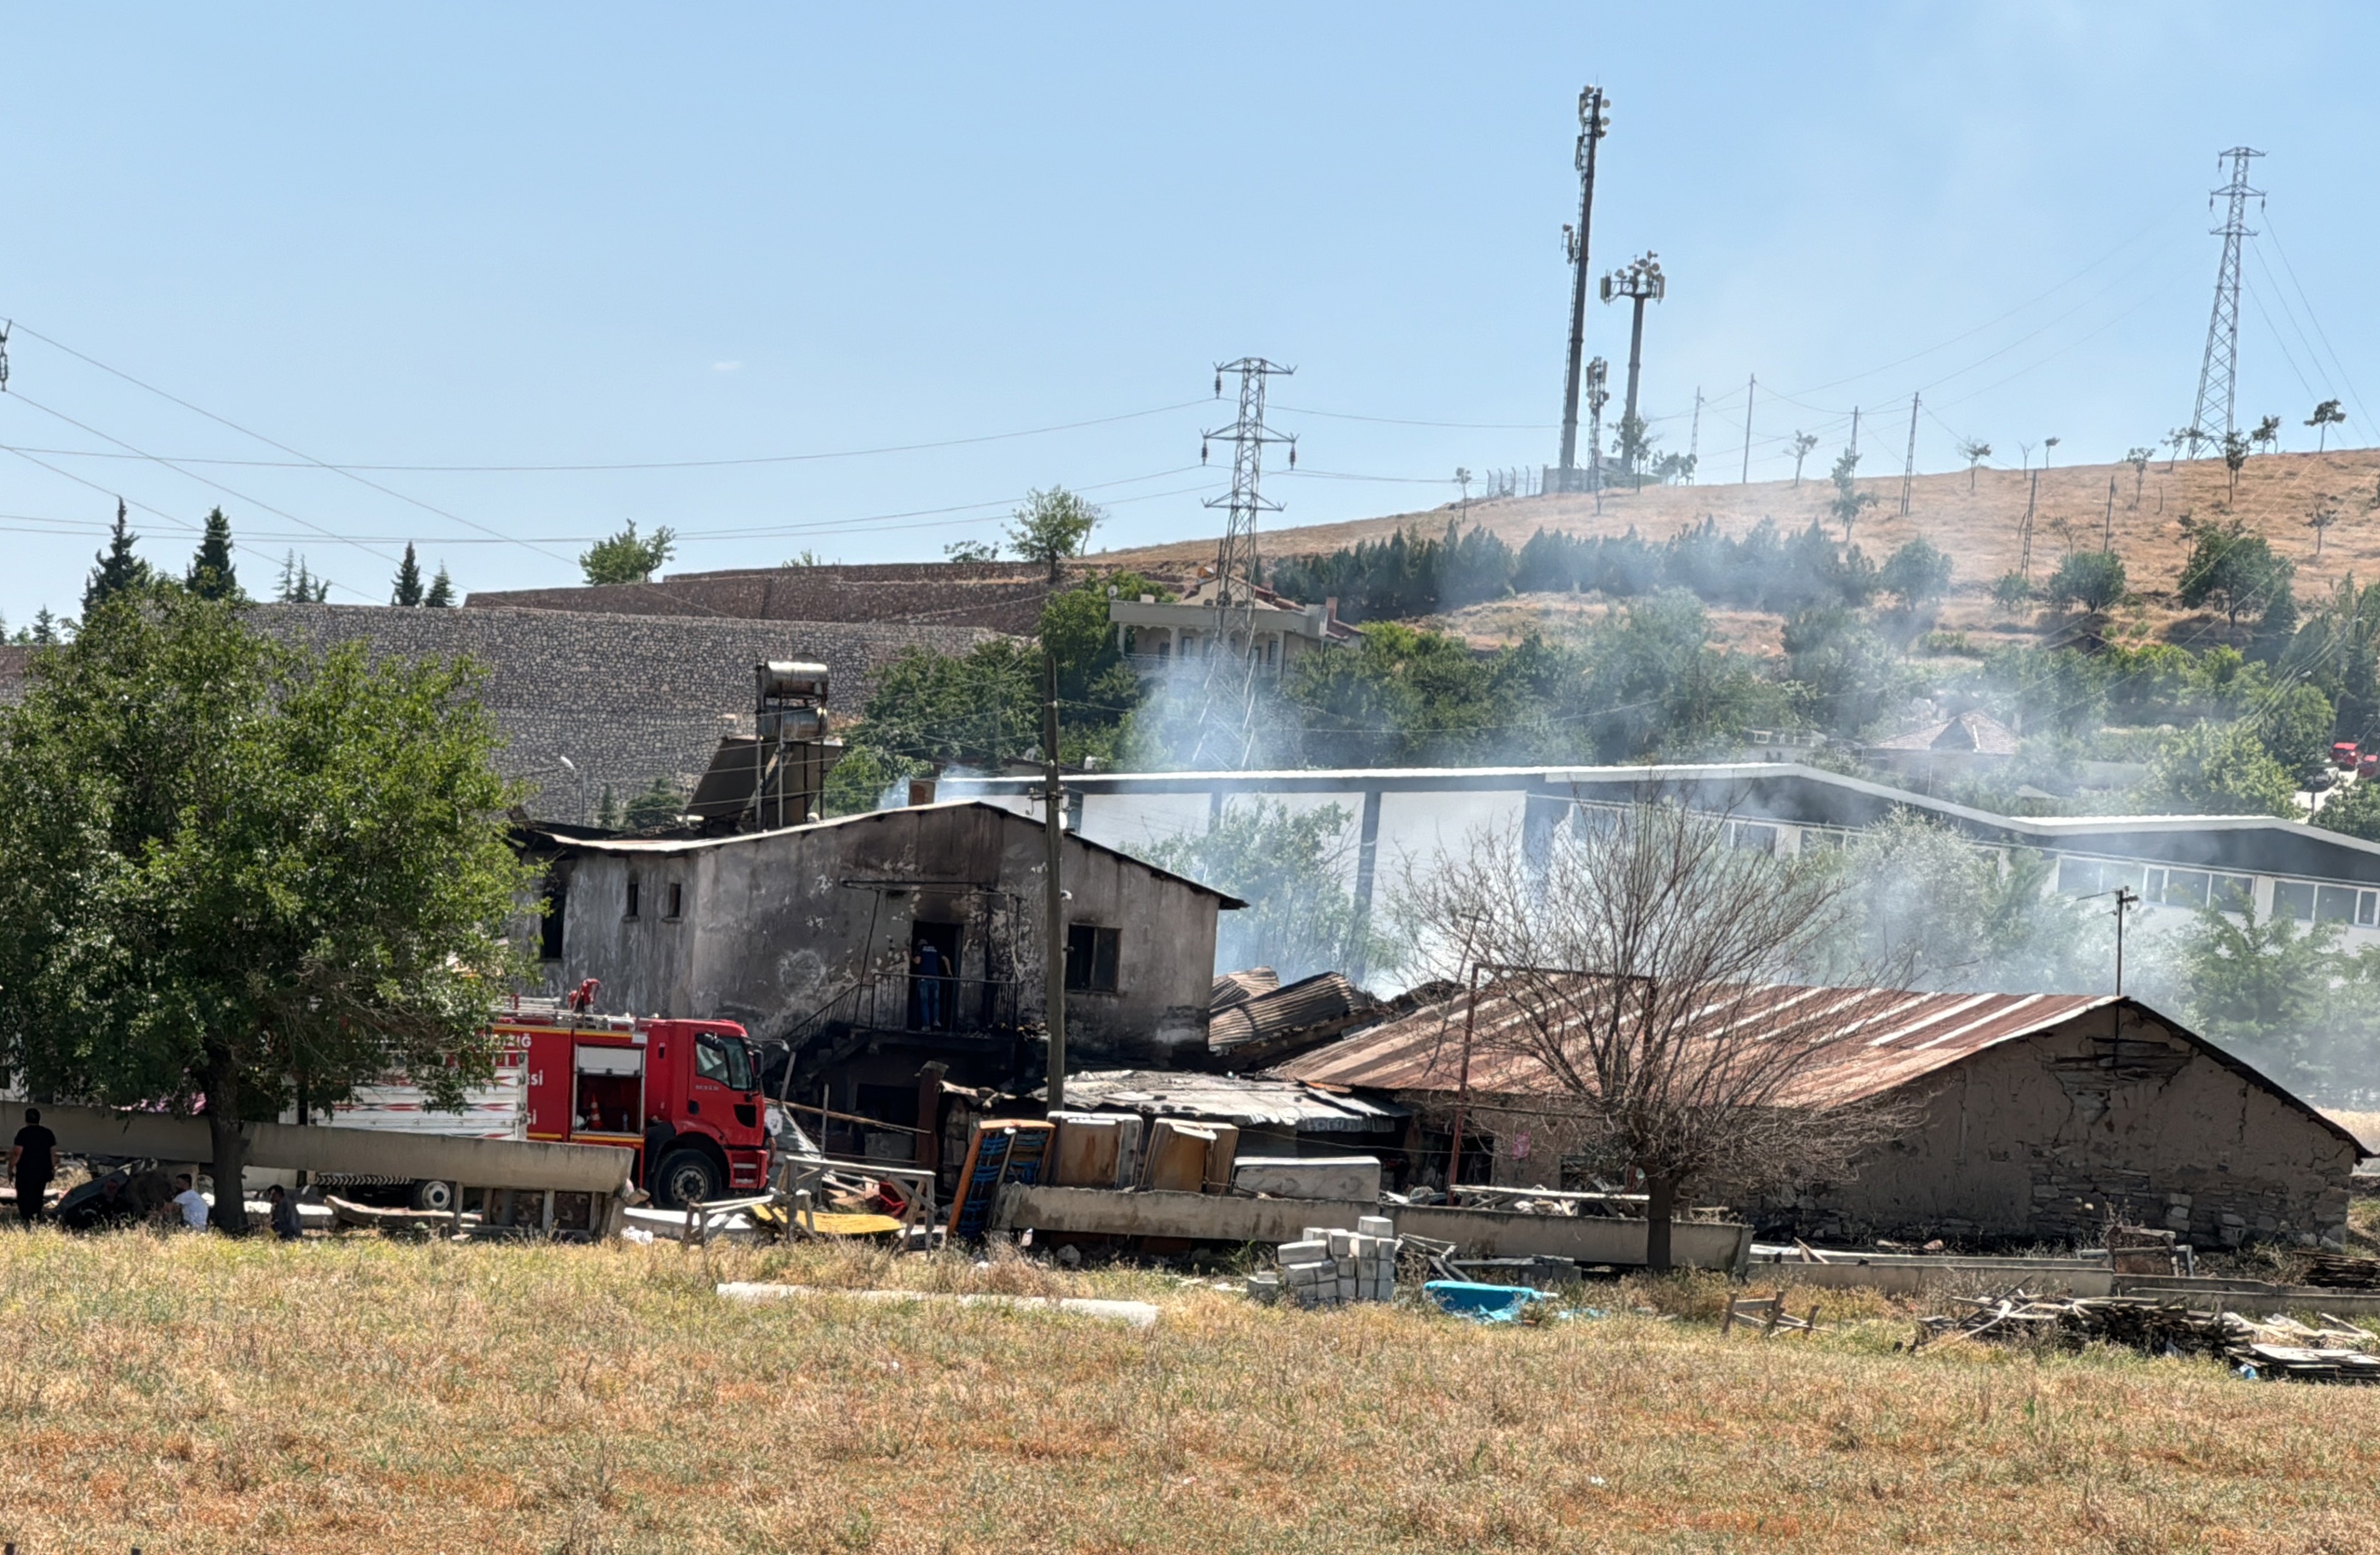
(687, 1176)
(432, 1194)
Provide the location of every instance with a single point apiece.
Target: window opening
(1091, 955)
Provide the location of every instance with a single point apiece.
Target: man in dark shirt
(32, 1161)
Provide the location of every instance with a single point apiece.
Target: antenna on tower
(5, 325)
(1640, 280)
(1592, 126)
(1231, 651)
(2218, 373)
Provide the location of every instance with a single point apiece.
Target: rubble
(2278, 1347)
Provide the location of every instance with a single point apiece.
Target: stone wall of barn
(2113, 1116)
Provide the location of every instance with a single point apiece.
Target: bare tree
(1975, 452)
(2326, 514)
(1640, 1004)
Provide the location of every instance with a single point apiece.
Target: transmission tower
(1227, 717)
(1641, 282)
(2217, 376)
(1592, 126)
(1599, 373)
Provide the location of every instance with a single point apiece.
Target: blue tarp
(1483, 1304)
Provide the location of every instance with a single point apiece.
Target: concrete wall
(2045, 1138)
(776, 925)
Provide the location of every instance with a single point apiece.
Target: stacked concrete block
(1329, 1267)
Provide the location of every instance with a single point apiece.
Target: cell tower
(1641, 282)
(1592, 126)
(2218, 376)
(1598, 372)
(1228, 715)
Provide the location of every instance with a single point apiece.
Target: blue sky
(549, 236)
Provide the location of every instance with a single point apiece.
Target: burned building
(2033, 1118)
(871, 946)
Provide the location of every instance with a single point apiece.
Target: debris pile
(2279, 1347)
(2334, 1272)
(1329, 1267)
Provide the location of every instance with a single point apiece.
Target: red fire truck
(683, 1094)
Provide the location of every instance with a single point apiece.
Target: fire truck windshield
(722, 1059)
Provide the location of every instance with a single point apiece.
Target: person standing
(32, 1161)
(927, 959)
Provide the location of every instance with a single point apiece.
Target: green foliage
(607, 813)
(2294, 726)
(659, 803)
(2325, 416)
(1849, 502)
(1843, 674)
(857, 783)
(2217, 769)
(1959, 917)
(971, 551)
(2355, 812)
(119, 571)
(2013, 592)
(2093, 579)
(1052, 527)
(627, 558)
(442, 590)
(982, 710)
(296, 586)
(1917, 573)
(211, 575)
(1290, 866)
(2231, 568)
(2270, 990)
(237, 873)
(407, 590)
(1803, 442)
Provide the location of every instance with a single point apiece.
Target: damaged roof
(1249, 1101)
(1887, 1038)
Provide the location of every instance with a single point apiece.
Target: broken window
(1091, 958)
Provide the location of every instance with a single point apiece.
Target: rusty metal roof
(1247, 1101)
(1887, 1038)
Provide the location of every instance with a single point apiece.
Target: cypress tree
(442, 590)
(409, 581)
(118, 570)
(211, 575)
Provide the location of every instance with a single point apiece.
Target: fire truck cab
(683, 1094)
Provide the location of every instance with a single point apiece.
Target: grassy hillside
(193, 1395)
(2277, 493)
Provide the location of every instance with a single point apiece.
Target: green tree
(2093, 579)
(1632, 441)
(1849, 502)
(858, 782)
(2231, 568)
(2267, 435)
(607, 810)
(2354, 811)
(2260, 987)
(1917, 573)
(442, 590)
(1052, 527)
(971, 551)
(1801, 444)
(2013, 592)
(2325, 416)
(2217, 769)
(211, 575)
(296, 586)
(2139, 460)
(981, 710)
(1290, 868)
(2236, 448)
(626, 557)
(408, 589)
(658, 804)
(119, 571)
(238, 875)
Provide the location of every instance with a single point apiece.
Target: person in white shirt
(194, 1208)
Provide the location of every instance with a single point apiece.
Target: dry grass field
(187, 1395)
(2277, 492)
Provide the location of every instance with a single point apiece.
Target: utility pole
(1855, 432)
(1750, 384)
(1641, 282)
(2024, 561)
(1694, 438)
(2125, 899)
(1235, 556)
(2107, 524)
(1591, 128)
(1053, 896)
(1909, 464)
(2217, 370)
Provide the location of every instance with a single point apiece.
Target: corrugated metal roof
(1881, 1039)
(1312, 1001)
(1245, 1100)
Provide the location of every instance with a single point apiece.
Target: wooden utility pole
(1909, 464)
(1054, 898)
(1750, 386)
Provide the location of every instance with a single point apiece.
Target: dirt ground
(2277, 492)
